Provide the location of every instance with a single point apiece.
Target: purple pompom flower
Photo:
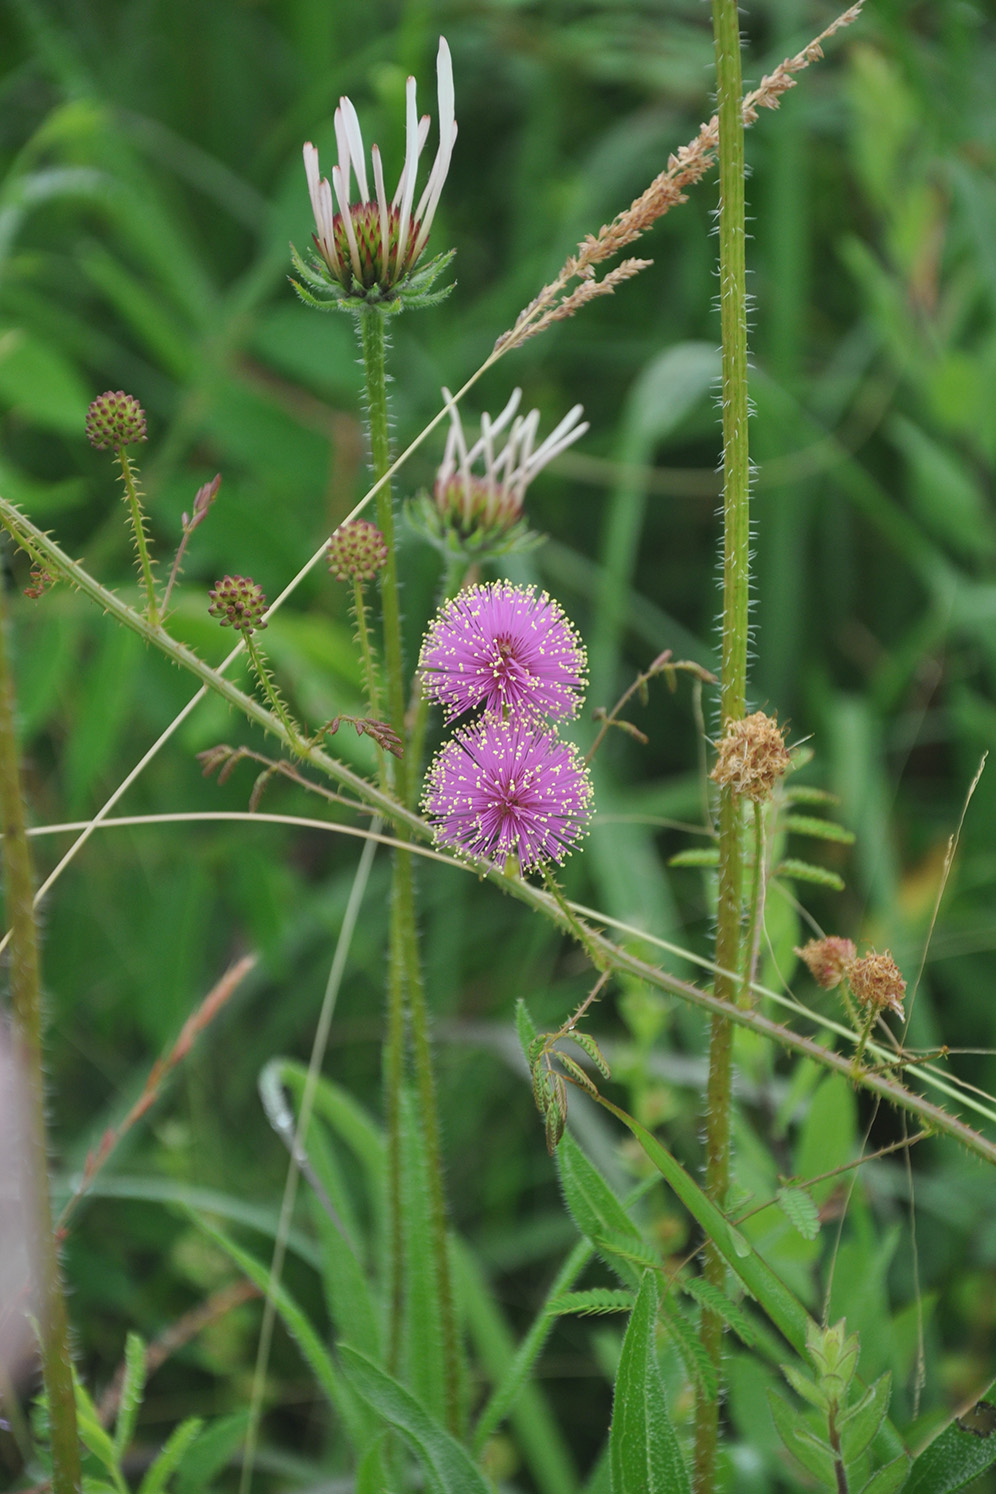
(503, 647)
(503, 788)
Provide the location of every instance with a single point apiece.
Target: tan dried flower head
(752, 756)
(828, 960)
(875, 981)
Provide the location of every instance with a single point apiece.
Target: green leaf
(204, 1459)
(803, 871)
(800, 1210)
(808, 824)
(598, 1299)
(807, 1451)
(693, 1353)
(860, 1424)
(94, 1437)
(782, 1306)
(131, 1393)
(892, 1478)
(965, 1448)
(448, 1467)
(723, 1306)
(644, 1453)
(636, 1251)
(694, 858)
(596, 1210)
(525, 1027)
(171, 1456)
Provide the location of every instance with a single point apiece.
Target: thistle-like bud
(876, 982)
(752, 757)
(356, 552)
(828, 960)
(115, 419)
(239, 603)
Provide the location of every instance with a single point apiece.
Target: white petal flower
(367, 243)
(492, 495)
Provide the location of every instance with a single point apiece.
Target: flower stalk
(405, 982)
(25, 988)
(731, 950)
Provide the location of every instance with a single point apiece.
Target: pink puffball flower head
(507, 648)
(502, 788)
(370, 246)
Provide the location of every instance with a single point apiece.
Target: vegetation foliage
(151, 181)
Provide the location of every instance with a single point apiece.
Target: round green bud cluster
(115, 419)
(357, 551)
(239, 603)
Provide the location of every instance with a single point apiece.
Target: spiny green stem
(25, 988)
(370, 679)
(429, 1116)
(405, 953)
(576, 927)
(262, 673)
(138, 527)
(372, 343)
(730, 948)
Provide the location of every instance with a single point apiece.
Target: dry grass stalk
(195, 1024)
(685, 167)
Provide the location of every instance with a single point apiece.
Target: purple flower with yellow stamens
(502, 788)
(507, 648)
(369, 247)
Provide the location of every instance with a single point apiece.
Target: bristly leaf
(694, 1356)
(964, 1449)
(629, 1248)
(860, 1424)
(801, 794)
(165, 1465)
(694, 858)
(525, 1027)
(132, 1387)
(802, 871)
(447, 1465)
(723, 1306)
(892, 1478)
(815, 1459)
(800, 1210)
(587, 1042)
(644, 1453)
(596, 1300)
(807, 824)
(596, 1210)
(577, 1073)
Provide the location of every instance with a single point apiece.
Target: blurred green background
(152, 178)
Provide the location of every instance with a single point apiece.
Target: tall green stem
(736, 579)
(25, 988)
(404, 966)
